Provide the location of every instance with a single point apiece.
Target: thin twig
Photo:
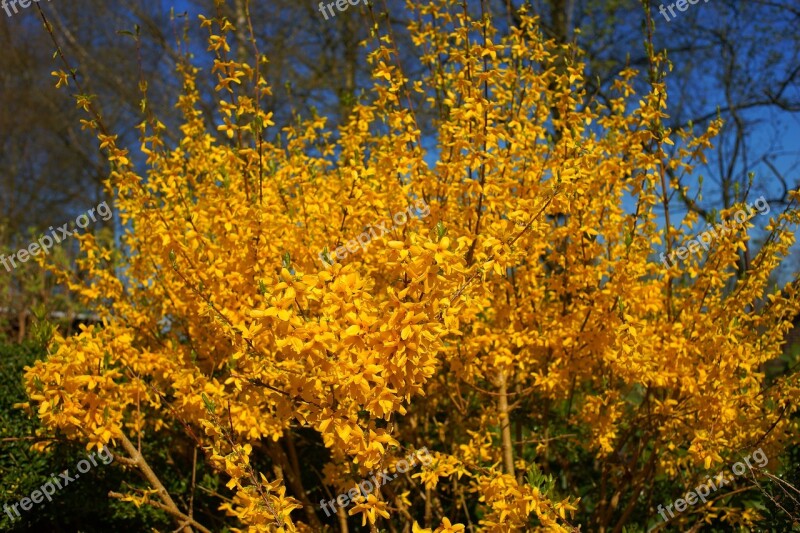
(174, 512)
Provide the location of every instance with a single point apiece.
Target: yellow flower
(447, 527)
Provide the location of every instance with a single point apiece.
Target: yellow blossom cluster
(524, 321)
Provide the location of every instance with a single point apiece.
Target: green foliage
(536, 478)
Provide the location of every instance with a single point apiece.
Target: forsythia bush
(520, 326)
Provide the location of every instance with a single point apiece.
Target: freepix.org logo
(714, 232)
(363, 490)
(703, 491)
(682, 5)
(341, 5)
(8, 5)
(48, 489)
(46, 242)
(364, 238)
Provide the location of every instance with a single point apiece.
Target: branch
(186, 521)
(168, 505)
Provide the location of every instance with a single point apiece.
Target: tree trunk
(505, 425)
